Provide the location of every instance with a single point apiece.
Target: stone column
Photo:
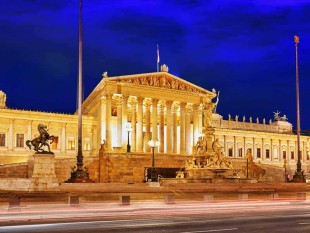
(169, 126)
(161, 128)
(263, 154)
(280, 151)
(225, 146)
(199, 120)
(125, 122)
(271, 150)
(195, 124)
(102, 122)
(133, 125)
(188, 135)
(182, 129)
(175, 129)
(140, 125)
(154, 119)
(288, 152)
(29, 130)
(235, 155)
(119, 103)
(63, 145)
(148, 126)
(108, 122)
(10, 135)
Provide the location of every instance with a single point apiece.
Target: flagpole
(157, 58)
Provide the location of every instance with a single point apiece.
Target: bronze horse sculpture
(43, 140)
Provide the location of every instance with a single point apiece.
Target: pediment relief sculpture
(161, 81)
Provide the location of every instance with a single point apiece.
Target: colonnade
(176, 125)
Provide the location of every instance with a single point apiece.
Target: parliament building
(123, 113)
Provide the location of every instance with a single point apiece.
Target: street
(186, 217)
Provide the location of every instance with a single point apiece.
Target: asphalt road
(194, 217)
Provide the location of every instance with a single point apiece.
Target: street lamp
(129, 129)
(299, 175)
(154, 175)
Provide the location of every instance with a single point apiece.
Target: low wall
(120, 167)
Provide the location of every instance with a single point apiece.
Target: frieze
(160, 81)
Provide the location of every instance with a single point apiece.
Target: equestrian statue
(44, 140)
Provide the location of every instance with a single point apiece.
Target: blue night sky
(243, 48)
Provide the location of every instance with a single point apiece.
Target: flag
(157, 54)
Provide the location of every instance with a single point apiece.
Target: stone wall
(17, 170)
(118, 167)
(124, 168)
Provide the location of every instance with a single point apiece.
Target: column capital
(140, 100)
(108, 96)
(155, 101)
(189, 108)
(169, 103)
(183, 105)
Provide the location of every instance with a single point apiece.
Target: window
(267, 154)
(87, 144)
(284, 154)
(2, 139)
(71, 143)
(258, 153)
(19, 140)
(308, 155)
(240, 152)
(292, 154)
(55, 143)
(230, 152)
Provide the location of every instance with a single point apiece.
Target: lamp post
(128, 127)
(154, 175)
(299, 175)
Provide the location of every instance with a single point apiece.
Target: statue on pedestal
(43, 140)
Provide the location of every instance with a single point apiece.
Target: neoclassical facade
(133, 109)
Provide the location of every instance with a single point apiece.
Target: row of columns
(261, 143)
(155, 122)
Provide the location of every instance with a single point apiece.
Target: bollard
(169, 199)
(243, 196)
(14, 203)
(208, 197)
(301, 196)
(124, 200)
(74, 200)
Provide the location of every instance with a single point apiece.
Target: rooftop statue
(44, 140)
(2, 99)
(277, 115)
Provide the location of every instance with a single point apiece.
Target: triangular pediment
(160, 79)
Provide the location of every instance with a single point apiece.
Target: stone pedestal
(43, 175)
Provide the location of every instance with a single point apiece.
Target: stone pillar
(140, 125)
(225, 146)
(119, 103)
(235, 147)
(147, 127)
(288, 152)
(169, 126)
(195, 124)
(133, 125)
(271, 150)
(29, 130)
(102, 121)
(280, 151)
(199, 120)
(263, 155)
(10, 135)
(154, 119)
(175, 129)
(188, 134)
(161, 129)
(125, 122)
(108, 122)
(63, 138)
(182, 129)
